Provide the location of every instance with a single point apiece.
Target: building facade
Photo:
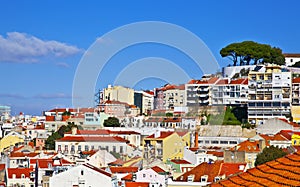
(269, 93)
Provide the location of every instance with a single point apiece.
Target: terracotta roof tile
(158, 169)
(247, 146)
(283, 171)
(137, 184)
(92, 139)
(128, 177)
(209, 169)
(98, 170)
(18, 172)
(2, 167)
(162, 135)
(124, 169)
(180, 161)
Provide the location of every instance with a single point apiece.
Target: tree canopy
(50, 142)
(248, 51)
(269, 154)
(111, 122)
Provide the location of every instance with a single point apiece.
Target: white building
(144, 100)
(269, 93)
(83, 176)
(291, 59)
(20, 177)
(149, 175)
(198, 157)
(230, 92)
(198, 92)
(74, 145)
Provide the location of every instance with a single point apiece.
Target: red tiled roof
(209, 81)
(124, 169)
(158, 169)
(239, 81)
(18, 172)
(172, 87)
(2, 167)
(124, 132)
(283, 171)
(247, 146)
(128, 177)
(291, 55)
(180, 161)
(44, 163)
(92, 139)
(154, 120)
(62, 110)
(289, 122)
(97, 170)
(216, 153)
(222, 81)
(91, 152)
(209, 169)
(21, 154)
(137, 184)
(117, 162)
(91, 132)
(114, 102)
(228, 169)
(182, 133)
(296, 80)
(162, 135)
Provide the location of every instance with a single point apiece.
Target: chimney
(262, 144)
(74, 130)
(157, 134)
(196, 138)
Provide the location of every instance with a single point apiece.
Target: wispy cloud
(63, 65)
(53, 96)
(24, 48)
(12, 95)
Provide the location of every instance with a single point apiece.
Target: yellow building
(165, 145)
(295, 139)
(10, 139)
(119, 93)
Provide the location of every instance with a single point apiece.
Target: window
(79, 147)
(22, 176)
(59, 147)
(106, 148)
(66, 147)
(114, 148)
(86, 147)
(121, 149)
(144, 175)
(92, 147)
(72, 147)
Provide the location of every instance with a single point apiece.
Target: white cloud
(63, 64)
(53, 96)
(24, 48)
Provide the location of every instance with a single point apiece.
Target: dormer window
(217, 179)
(204, 178)
(22, 176)
(190, 178)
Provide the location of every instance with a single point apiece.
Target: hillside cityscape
(232, 128)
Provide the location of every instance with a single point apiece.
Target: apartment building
(269, 93)
(169, 96)
(144, 100)
(119, 93)
(198, 92)
(291, 58)
(230, 92)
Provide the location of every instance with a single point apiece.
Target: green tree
(50, 142)
(169, 114)
(249, 51)
(111, 122)
(269, 154)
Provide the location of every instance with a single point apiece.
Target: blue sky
(42, 42)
